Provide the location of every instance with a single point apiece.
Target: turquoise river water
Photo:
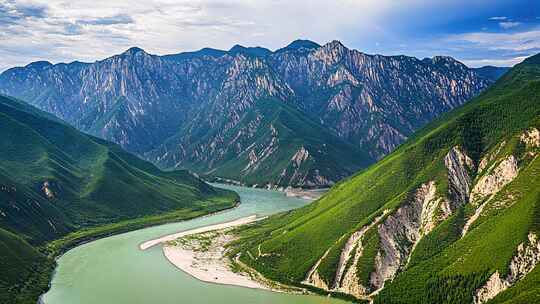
(113, 270)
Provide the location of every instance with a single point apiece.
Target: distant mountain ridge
(491, 72)
(200, 110)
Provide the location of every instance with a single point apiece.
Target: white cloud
(509, 24)
(494, 61)
(498, 18)
(67, 30)
(90, 30)
(520, 41)
(503, 49)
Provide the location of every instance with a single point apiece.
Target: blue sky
(476, 32)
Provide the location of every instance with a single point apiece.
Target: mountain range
(304, 115)
(451, 216)
(60, 187)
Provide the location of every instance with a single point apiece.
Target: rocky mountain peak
(335, 44)
(299, 44)
(134, 51)
(251, 51)
(445, 60)
(331, 53)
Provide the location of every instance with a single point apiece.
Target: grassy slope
(330, 155)
(98, 190)
(18, 261)
(298, 238)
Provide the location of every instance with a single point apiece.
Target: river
(113, 269)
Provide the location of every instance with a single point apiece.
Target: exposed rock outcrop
(525, 260)
(459, 166)
(490, 157)
(531, 138)
(490, 184)
(313, 278)
(300, 156)
(346, 279)
(256, 158)
(400, 233)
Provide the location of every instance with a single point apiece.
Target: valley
(269, 152)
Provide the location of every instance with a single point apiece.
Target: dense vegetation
(286, 131)
(59, 187)
(444, 268)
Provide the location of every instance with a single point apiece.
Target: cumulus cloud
(62, 30)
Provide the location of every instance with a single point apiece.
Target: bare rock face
(398, 232)
(490, 157)
(492, 288)
(531, 138)
(491, 183)
(296, 175)
(316, 281)
(346, 280)
(300, 156)
(265, 151)
(459, 166)
(525, 260)
(313, 278)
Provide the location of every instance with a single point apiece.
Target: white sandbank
(174, 236)
(209, 267)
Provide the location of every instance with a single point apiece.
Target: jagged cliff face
(197, 110)
(375, 101)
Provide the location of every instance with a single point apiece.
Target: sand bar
(209, 266)
(174, 236)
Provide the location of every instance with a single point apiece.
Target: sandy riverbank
(208, 264)
(200, 253)
(174, 236)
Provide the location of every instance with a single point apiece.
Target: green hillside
(18, 262)
(58, 184)
(289, 149)
(393, 232)
(283, 147)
